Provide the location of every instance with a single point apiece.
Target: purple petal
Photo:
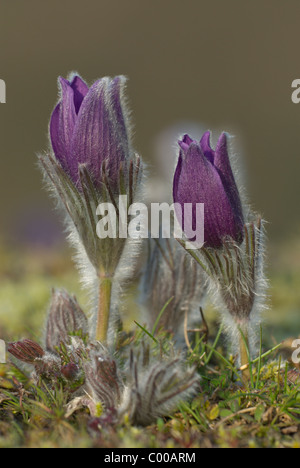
(197, 181)
(206, 148)
(99, 132)
(62, 125)
(222, 164)
(80, 89)
(117, 113)
(185, 142)
(177, 178)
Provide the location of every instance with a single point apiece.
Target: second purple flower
(204, 175)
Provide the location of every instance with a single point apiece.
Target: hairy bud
(170, 274)
(101, 379)
(26, 350)
(65, 318)
(155, 388)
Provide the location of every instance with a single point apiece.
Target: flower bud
(101, 379)
(65, 318)
(155, 388)
(171, 276)
(204, 175)
(92, 163)
(88, 126)
(26, 350)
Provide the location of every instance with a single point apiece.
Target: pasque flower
(204, 175)
(92, 162)
(88, 126)
(232, 254)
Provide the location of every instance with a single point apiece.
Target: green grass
(225, 413)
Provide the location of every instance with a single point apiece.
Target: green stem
(244, 354)
(105, 287)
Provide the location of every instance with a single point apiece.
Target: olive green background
(226, 65)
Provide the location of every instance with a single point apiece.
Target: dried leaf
(290, 430)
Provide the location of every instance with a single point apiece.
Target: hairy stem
(105, 287)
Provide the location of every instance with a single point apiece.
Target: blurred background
(219, 65)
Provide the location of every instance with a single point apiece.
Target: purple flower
(88, 126)
(204, 175)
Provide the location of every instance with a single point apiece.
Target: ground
(263, 413)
